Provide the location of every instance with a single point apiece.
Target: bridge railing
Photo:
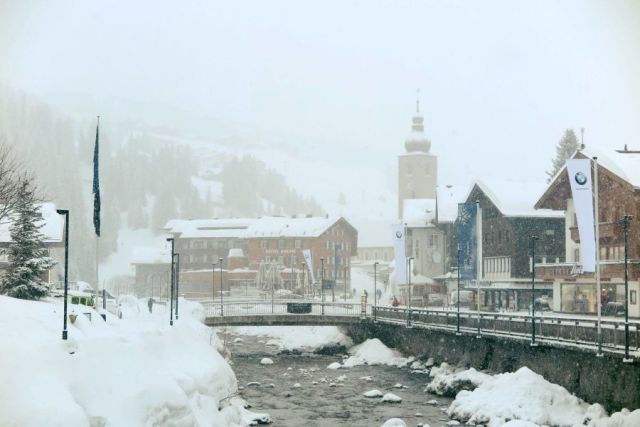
(283, 307)
(574, 330)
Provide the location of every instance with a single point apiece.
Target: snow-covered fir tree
(567, 145)
(28, 259)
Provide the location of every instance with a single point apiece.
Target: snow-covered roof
(52, 225)
(516, 198)
(151, 255)
(626, 165)
(418, 212)
(290, 227)
(251, 227)
(448, 198)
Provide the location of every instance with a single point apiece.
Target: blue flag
(468, 240)
(96, 182)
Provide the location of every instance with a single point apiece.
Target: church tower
(417, 168)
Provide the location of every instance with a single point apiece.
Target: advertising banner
(468, 240)
(579, 171)
(306, 253)
(399, 250)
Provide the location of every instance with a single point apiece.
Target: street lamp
(221, 286)
(533, 285)
(458, 299)
(409, 260)
(304, 290)
(177, 282)
(65, 212)
(375, 288)
(625, 225)
(213, 282)
(173, 275)
(322, 283)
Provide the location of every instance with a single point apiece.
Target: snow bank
(374, 352)
(623, 418)
(448, 383)
(123, 372)
(522, 395)
(394, 422)
(301, 337)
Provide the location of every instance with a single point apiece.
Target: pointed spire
(418, 101)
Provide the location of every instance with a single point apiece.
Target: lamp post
(625, 225)
(409, 261)
(322, 283)
(304, 290)
(173, 275)
(177, 282)
(533, 285)
(458, 297)
(65, 212)
(375, 289)
(213, 282)
(221, 286)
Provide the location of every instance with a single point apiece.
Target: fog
(337, 79)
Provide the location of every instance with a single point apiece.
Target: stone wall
(605, 380)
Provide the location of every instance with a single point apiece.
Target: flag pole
(96, 215)
(479, 260)
(598, 285)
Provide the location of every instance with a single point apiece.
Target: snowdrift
(132, 371)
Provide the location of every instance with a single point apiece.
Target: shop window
(633, 297)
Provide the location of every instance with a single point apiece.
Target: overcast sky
(499, 80)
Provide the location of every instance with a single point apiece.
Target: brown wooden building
(619, 194)
(509, 220)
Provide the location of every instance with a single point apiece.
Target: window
(267, 258)
(280, 259)
(263, 244)
(633, 297)
(297, 244)
(294, 260)
(281, 244)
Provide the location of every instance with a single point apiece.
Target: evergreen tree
(567, 145)
(28, 259)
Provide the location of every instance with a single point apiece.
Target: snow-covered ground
(132, 371)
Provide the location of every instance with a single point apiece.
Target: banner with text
(468, 240)
(306, 253)
(579, 171)
(399, 250)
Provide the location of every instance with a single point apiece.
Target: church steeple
(417, 142)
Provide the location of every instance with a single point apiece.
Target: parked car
(613, 309)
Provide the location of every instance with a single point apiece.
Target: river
(326, 397)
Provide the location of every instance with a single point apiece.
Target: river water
(327, 397)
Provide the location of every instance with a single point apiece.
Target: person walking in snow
(150, 304)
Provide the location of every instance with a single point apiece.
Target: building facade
(619, 194)
(509, 222)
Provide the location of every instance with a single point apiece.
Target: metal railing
(282, 307)
(551, 329)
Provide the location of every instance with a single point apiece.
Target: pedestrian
(395, 302)
(150, 304)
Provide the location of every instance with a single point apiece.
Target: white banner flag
(306, 253)
(399, 254)
(579, 171)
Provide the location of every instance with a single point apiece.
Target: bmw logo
(581, 178)
(399, 234)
